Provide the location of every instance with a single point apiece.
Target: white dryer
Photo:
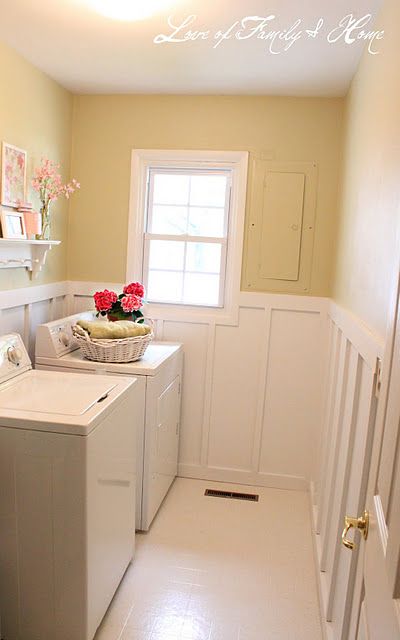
(159, 375)
(67, 477)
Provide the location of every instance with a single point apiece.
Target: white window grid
(186, 237)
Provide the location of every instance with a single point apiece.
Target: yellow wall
(107, 128)
(36, 114)
(368, 242)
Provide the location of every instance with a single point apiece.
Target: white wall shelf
(30, 254)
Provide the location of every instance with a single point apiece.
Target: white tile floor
(218, 569)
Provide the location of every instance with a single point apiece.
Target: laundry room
(199, 320)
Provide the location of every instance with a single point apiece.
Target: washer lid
(62, 394)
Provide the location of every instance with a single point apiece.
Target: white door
(380, 611)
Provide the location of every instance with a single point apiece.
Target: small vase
(45, 214)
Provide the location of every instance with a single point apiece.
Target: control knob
(64, 338)
(15, 355)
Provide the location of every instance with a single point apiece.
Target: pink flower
(130, 303)
(135, 288)
(48, 182)
(104, 300)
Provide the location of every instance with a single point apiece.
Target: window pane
(201, 288)
(206, 222)
(202, 256)
(208, 190)
(166, 254)
(171, 188)
(164, 286)
(169, 220)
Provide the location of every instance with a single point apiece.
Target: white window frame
(221, 241)
(237, 162)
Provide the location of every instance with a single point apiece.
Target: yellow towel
(114, 330)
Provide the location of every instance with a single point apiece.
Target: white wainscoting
(252, 390)
(21, 310)
(348, 427)
(251, 393)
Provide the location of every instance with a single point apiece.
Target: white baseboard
(236, 476)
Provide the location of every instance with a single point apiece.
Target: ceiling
(89, 53)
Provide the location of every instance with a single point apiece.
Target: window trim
(237, 162)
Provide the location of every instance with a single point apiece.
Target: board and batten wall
(283, 398)
(347, 427)
(365, 282)
(251, 398)
(252, 390)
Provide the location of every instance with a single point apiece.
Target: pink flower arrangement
(48, 182)
(135, 288)
(127, 305)
(104, 300)
(130, 303)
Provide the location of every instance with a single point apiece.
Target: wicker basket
(121, 350)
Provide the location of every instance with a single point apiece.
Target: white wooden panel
(329, 406)
(21, 310)
(59, 309)
(333, 445)
(238, 355)
(13, 320)
(83, 303)
(39, 313)
(315, 486)
(389, 443)
(369, 345)
(354, 499)
(349, 420)
(293, 394)
(345, 453)
(194, 338)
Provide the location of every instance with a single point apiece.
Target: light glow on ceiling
(128, 10)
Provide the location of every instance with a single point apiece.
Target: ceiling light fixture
(128, 10)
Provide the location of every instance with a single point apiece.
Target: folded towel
(114, 330)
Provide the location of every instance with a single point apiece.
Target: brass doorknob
(361, 523)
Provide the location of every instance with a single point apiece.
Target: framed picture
(13, 225)
(13, 175)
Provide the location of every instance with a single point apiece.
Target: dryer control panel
(14, 358)
(55, 339)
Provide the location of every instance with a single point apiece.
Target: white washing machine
(159, 374)
(67, 478)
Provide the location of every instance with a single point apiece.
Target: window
(185, 244)
(186, 226)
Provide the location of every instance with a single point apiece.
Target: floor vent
(217, 493)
